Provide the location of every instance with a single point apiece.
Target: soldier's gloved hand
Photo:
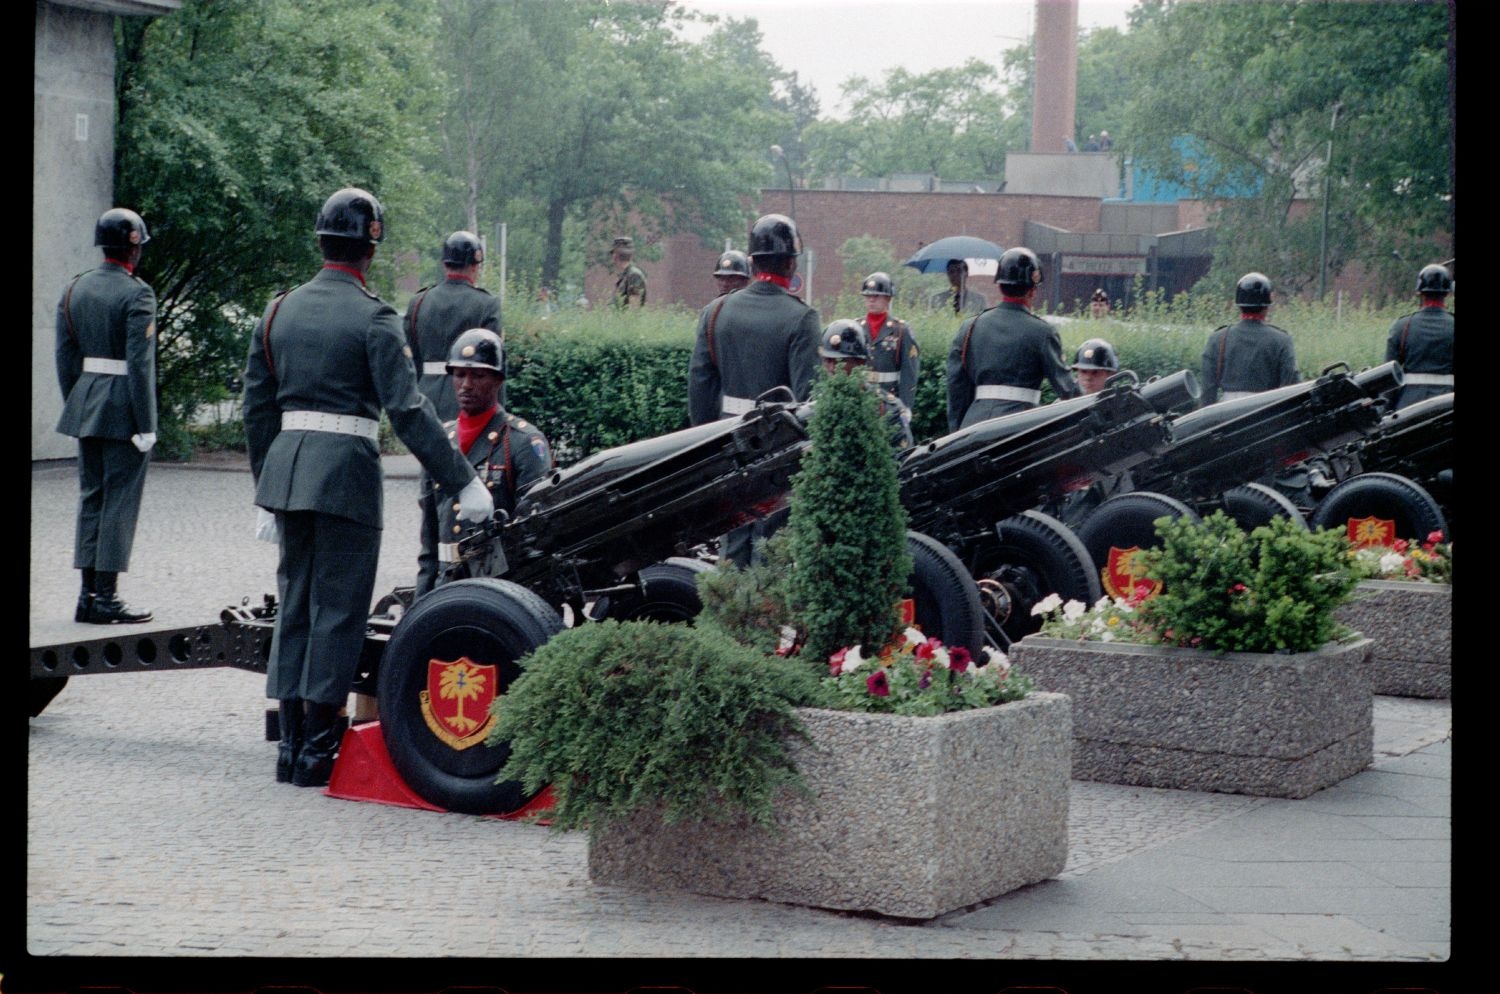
(265, 526)
(144, 442)
(475, 502)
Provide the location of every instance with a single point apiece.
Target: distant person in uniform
(1423, 340)
(1099, 304)
(1105, 141)
(1000, 358)
(439, 314)
(1251, 355)
(106, 366)
(1093, 364)
(325, 359)
(508, 454)
(751, 341)
(1092, 145)
(630, 281)
(732, 272)
(894, 357)
(844, 346)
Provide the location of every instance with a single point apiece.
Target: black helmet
(878, 285)
(774, 234)
(1096, 353)
(462, 248)
(1253, 290)
(1434, 279)
(119, 227)
(844, 339)
(733, 263)
(477, 348)
(352, 213)
(1018, 267)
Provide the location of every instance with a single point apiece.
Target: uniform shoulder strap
(1401, 349)
(963, 354)
(1223, 346)
(713, 319)
(265, 337)
(68, 310)
(416, 308)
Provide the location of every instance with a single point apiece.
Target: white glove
(144, 442)
(265, 526)
(475, 502)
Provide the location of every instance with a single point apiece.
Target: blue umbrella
(934, 258)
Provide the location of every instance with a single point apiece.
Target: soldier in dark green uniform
(844, 345)
(894, 356)
(507, 452)
(437, 315)
(1251, 355)
(751, 341)
(733, 271)
(999, 359)
(325, 359)
(1093, 364)
(106, 366)
(631, 282)
(1423, 340)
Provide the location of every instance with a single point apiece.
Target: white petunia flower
(1106, 636)
(1047, 604)
(1392, 562)
(1073, 610)
(1102, 603)
(994, 657)
(914, 637)
(852, 661)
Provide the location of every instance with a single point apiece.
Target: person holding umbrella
(999, 359)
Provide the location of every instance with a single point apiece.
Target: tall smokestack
(1054, 88)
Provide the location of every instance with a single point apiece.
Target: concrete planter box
(910, 817)
(1411, 625)
(1240, 723)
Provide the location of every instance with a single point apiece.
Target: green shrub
(752, 605)
(620, 717)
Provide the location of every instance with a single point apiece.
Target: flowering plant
(1427, 562)
(917, 675)
(1108, 620)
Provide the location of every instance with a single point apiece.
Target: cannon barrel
(1165, 393)
(1416, 441)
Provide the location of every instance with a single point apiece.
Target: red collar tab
(1252, 316)
(876, 322)
(784, 282)
(123, 265)
(1439, 304)
(1014, 300)
(459, 278)
(346, 269)
(469, 426)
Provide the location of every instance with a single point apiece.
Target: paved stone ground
(154, 827)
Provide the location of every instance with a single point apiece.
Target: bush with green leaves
(752, 605)
(848, 528)
(620, 717)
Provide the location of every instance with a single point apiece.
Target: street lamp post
(777, 152)
(1327, 172)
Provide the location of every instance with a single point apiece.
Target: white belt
(117, 367)
(735, 405)
(1410, 379)
(991, 391)
(889, 377)
(434, 369)
(448, 552)
(1238, 394)
(339, 424)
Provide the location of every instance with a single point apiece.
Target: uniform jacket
(336, 348)
(434, 318)
(763, 337)
(1008, 346)
(895, 357)
(1247, 355)
(897, 418)
(107, 314)
(631, 281)
(509, 454)
(1428, 348)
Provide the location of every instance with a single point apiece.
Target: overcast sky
(828, 41)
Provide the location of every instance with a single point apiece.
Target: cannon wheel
(491, 623)
(1035, 555)
(1127, 521)
(669, 593)
(1255, 504)
(40, 691)
(1381, 495)
(946, 599)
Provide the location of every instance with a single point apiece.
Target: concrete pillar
(1055, 89)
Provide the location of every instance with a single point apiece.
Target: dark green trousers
(111, 476)
(324, 579)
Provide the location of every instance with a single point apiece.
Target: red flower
(926, 650)
(877, 685)
(1238, 588)
(1435, 537)
(1399, 545)
(836, 661)
(959, 658)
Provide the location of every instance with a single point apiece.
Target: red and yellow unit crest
(456, 703)
(1371, 531)
(1124, 575)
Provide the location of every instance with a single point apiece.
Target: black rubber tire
(41, 690)
(669, 594)
(1386, 496)
(1255, 504)
(946, 600)
(492, 622)
(1127, 520)
(1036, 555)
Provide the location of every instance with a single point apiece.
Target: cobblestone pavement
(154, 827)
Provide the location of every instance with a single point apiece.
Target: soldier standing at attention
(437, 315)
(106, 366)
(1251, 355)
(733, 272)
(894, 356)
(507, 453)
(631, 282)
(1423, 340)
(325, 359)
(844, 345)
(1093, 364)
(999, 359)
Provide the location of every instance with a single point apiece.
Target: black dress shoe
(320, 746)
(85, 607)
(292, 724)
(111, 610)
